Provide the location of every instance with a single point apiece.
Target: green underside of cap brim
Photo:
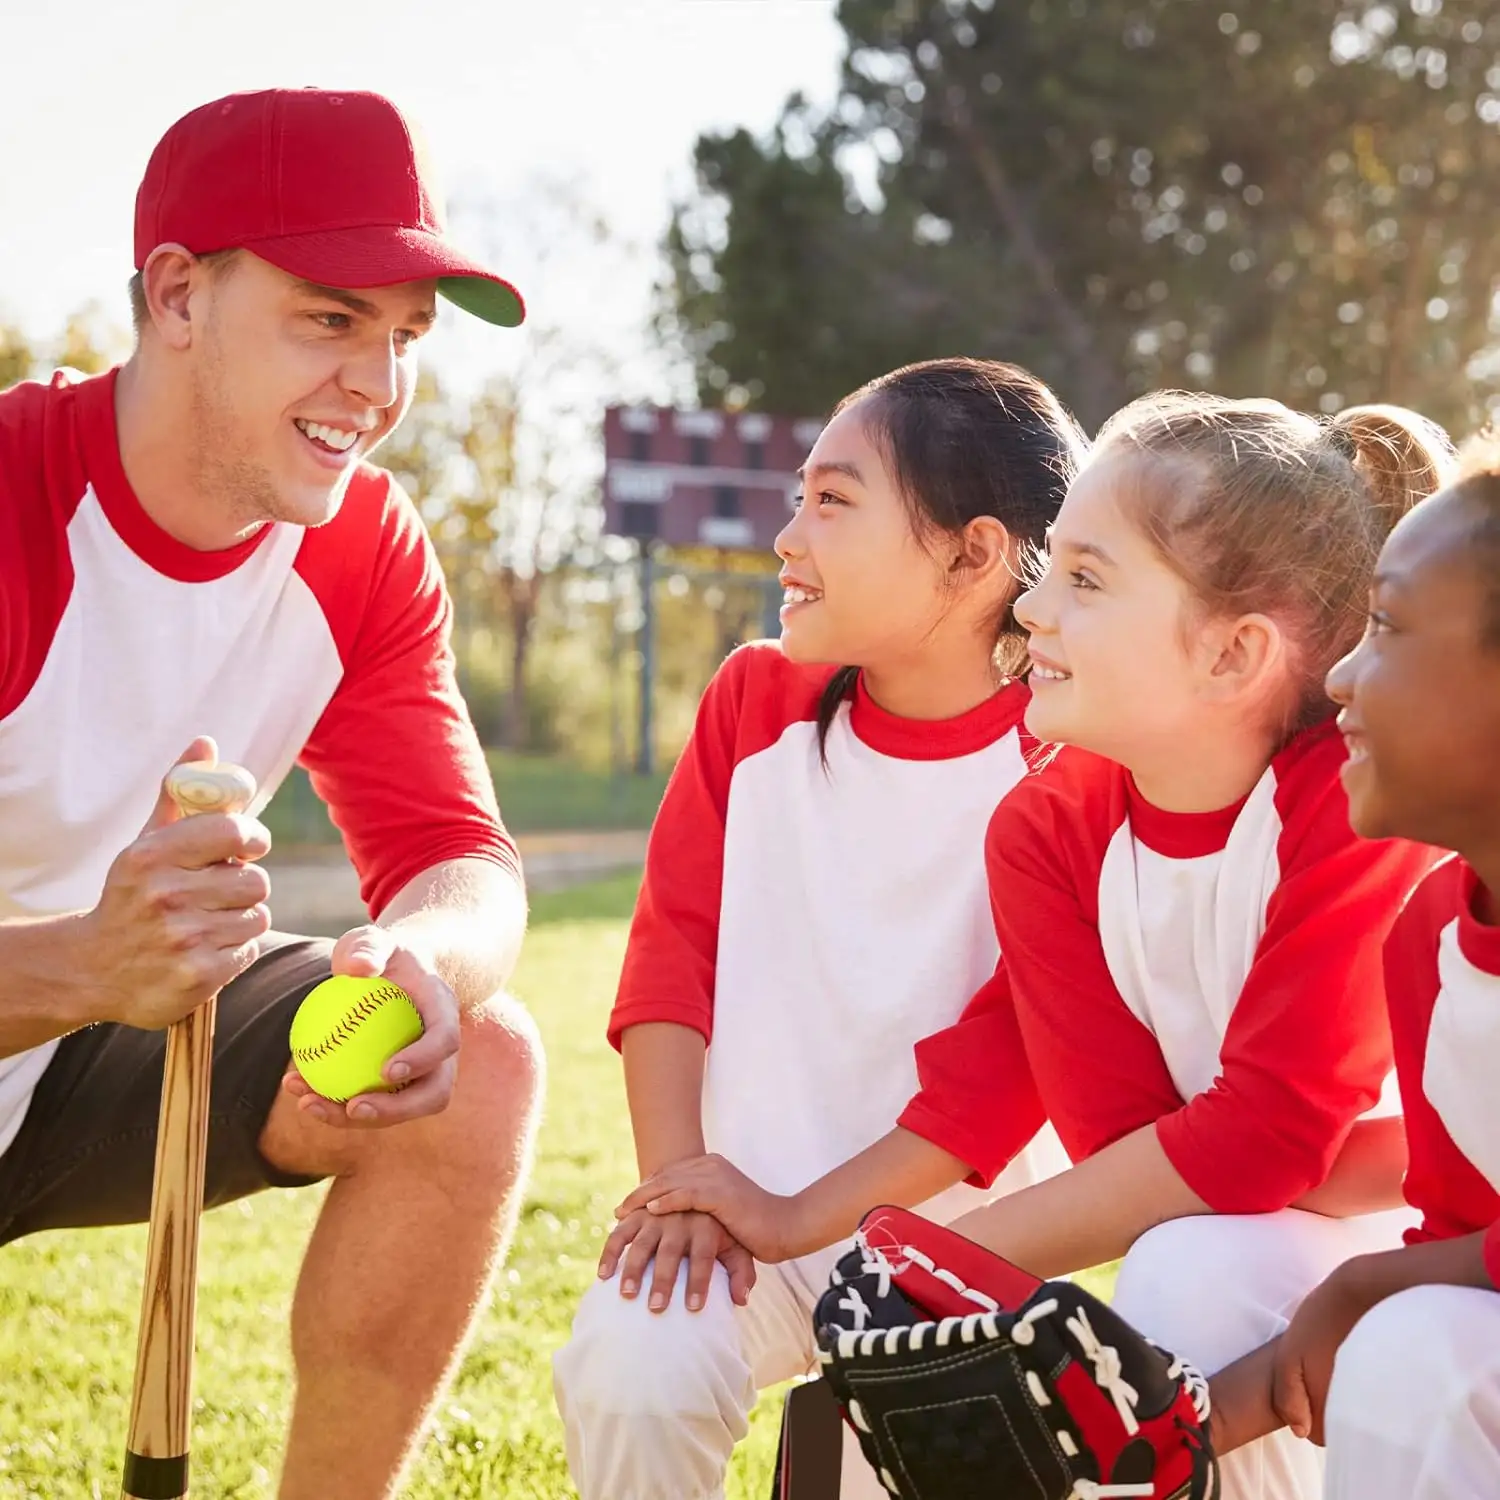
(490, 300)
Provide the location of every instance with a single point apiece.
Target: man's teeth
(1049, 674)
(795, 595)
(334, 437)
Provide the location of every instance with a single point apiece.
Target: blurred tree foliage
(1272, 197)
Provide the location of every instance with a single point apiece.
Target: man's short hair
(219, 263)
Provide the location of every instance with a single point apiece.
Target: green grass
(538, 794)
(69, 1302)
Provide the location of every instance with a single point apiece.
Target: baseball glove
(967, 1379)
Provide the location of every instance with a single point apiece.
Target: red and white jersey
(118, 644)
(815, 923)
(1442, 979)
(1216, 973)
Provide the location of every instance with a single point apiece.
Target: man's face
(293, 384)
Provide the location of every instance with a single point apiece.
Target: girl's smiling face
(1115, 668)
(861, 589)
(1420, 693)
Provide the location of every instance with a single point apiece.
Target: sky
(525, 104)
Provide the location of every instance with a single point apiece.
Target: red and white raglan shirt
(1218, 974)
(1442, 977)
(815, 922)
(118, 645)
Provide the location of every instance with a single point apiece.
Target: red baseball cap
(328, 186)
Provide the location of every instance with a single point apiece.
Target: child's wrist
(1367, 1279)
(664, 1156)
(799, 1234)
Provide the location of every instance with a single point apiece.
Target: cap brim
(389, 255)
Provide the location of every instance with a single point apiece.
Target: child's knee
(1414, 1362)
(627, 1360)
(1209, 1288)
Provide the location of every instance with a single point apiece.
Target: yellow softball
(345, 1032)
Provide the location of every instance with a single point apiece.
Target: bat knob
(198, 787)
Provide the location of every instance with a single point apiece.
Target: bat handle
(156, 1448)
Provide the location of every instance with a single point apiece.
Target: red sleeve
(1449, 1191)
(976, 1098)
(42, 480)
(1098, 1069)
(671, 955)
(1308, 1045)
(395, 755)
(668, 974)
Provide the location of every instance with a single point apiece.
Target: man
(191, 546)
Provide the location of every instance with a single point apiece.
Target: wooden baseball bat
(156, 1449)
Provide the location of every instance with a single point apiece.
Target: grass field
(68, 1302)
(538, 794)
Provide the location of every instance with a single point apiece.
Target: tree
(1285, 197)
(507, 477)
(90, 342)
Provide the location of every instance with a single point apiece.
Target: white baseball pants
(1414, 1409)
(1217, 1287)
(653, 1403)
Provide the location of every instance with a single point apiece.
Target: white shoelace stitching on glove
(1109, 1373)
(1105, 1358)
(1194, 1382)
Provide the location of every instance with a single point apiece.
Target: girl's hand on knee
(630, 1247)
(764, 1223)
(702, 1241)
(660, 1243)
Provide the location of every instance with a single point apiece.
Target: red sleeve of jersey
(668, 974)
(670, 957)
(976, 1098)
(1308, 1045)
(1098, 1069)
(1451, 1194)
(42, 480)
(395, 755)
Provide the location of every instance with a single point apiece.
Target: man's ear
(168, 280)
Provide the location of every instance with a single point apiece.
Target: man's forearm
(44, 991)
(467, 916)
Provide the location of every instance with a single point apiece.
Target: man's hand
(1306, 1351)
(423, 1073)
(641, 1238)
(181, 914)
(766, 1224)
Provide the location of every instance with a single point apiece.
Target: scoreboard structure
(702, 479)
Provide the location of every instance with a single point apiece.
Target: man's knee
(479, 1146)
(487, 1132)
(501, 1057)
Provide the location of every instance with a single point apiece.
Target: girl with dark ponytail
(815, 902)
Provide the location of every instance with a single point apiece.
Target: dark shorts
(87, 1147)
